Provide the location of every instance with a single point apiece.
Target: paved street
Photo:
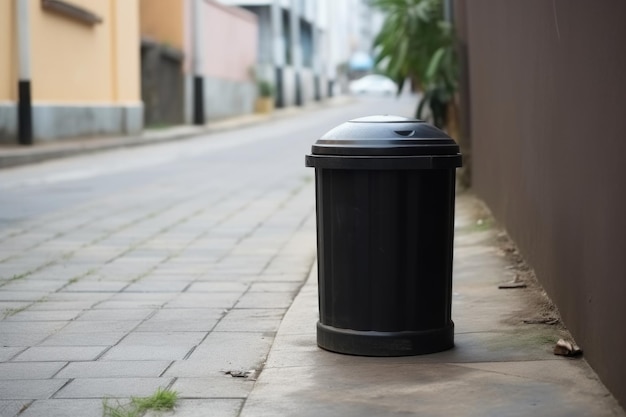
(163, 266)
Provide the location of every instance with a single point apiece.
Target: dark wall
(162, 84)
(547, 95)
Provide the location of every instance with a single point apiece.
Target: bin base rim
(376, 343)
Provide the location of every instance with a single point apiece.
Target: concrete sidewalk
(16, 155)
(500, 366)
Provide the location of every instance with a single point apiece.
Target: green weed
(162, 399)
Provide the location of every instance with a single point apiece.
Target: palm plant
(415, 43)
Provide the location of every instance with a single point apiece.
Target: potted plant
(265, 97)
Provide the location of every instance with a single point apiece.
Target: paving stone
(284, 286)
(51, 315)
(28, 284)
(64, 408)
(139, 353)
(215, 276)
(277, 268)
(13, 305)
(13, 267)
(222, 386)
(112, 387)
(10, 408)
(96, 286)
(182, 320)
(139, 255)
(6, 353)
(298, 277)
(128, 305)
(188, 270)
(157, 286)
(101, 326)
(22, 295)
(31, 389)
(26, 370)
(62, 272)
(202, 408)
(64, 338)
(265, 300)
(220, 300)
(83, 297)
(251, 320)
(114, 369)
(141, 298)
(132, 264)
(114, 315)
(47, 305)
(234, 269)
(96, 255)
(163, 338)
(218, 286)
(60, 353)
(38, 327)
(246, 351)
(158, 277)
(21, 339)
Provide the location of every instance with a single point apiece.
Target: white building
(306, 46)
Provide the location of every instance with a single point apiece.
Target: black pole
(298, 90)
(318, 95)
(24, 114)
(279, 88)
(198, 100)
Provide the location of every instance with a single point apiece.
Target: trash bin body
(385, 225)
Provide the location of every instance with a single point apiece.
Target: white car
(373, 84)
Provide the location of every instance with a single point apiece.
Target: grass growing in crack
(161, 400)
(9, 312)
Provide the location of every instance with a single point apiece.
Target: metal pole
(198, 51)
(24, 103)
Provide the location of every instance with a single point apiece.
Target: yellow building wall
(163, 21)
(75, 62)
(127, 45)
(8, 75)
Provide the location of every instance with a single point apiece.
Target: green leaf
(435, 63)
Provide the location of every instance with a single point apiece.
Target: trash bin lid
(385, 136)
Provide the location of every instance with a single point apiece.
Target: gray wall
(547, 94)
(226, 98)
(59, 121)
(222, 98)
(8, 123)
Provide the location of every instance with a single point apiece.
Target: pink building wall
(231, 36)
(229, 41)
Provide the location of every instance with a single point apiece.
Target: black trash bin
(385, 226)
